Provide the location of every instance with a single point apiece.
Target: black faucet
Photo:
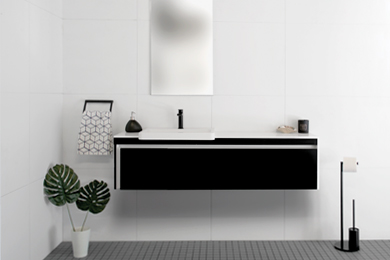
(180, 115)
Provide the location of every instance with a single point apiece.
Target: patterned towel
(95, 137)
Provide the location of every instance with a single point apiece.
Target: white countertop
(238, 134)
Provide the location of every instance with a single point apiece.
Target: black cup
(303, 126)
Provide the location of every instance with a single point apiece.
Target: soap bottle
(133, 125)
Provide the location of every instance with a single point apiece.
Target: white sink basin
(177, 134)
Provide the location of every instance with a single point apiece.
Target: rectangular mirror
(181, 47)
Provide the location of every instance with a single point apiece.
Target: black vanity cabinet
(229, 162)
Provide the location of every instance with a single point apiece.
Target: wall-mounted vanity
(222, 161)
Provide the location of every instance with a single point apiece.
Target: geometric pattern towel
(95, 136)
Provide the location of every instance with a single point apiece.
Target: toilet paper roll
(349, 164)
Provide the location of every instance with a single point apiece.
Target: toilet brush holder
(353, 243)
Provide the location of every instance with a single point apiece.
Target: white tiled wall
(274, 62)
(31, 125)
(106, 56)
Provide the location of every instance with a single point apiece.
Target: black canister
(303, 126)
(353, 239)
(353, 243)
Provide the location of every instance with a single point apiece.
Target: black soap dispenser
(133, 125)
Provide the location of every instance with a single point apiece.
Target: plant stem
(85, 219)
(70, 217)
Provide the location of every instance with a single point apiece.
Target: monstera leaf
(61, 185)
(94, 197)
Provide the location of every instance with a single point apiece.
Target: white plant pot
(80, 242)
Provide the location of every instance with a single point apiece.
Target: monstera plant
(93, 198)
(62, 187)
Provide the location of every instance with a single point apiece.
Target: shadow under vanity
(227, 161)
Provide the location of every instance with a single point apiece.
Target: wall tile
(52, 6)
(253, 215)
(143, 58)
(100, 57)
(371, 141)
(100, 9)
(249, 59)
(31, 33)
(173, 215)
(45, 52)
(14, 51)
(314, 214)
(350, 60)
(143, 9)
(338, 11)
(261, 11)
(46, 223)
(45, 133)
(247, 113)
(15, 142)
(15, 225)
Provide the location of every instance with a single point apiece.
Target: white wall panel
(100, 9)
(246, 113)
(249, 59)
(337, 60)
(45, 223)
(100, 56)
(15, 139)
(311, 215)
(45, 51)
(143, 58)
(338, 11)
(45, 133)
(14, 46)
(260, 11)
(31, 125)
(15, 228)
(173, 215)
(248, 215)
(54, 7)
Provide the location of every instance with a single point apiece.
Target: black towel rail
(98, 101)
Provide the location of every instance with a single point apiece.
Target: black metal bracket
(98, 101)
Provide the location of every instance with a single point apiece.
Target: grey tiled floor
(225, 250)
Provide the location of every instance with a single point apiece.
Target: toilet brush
(353, 232)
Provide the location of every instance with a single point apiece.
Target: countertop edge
(239, 134)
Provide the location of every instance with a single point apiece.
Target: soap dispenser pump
(133, 125)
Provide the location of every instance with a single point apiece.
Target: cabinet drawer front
(216, 167)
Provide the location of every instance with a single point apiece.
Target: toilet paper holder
(348, 165)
